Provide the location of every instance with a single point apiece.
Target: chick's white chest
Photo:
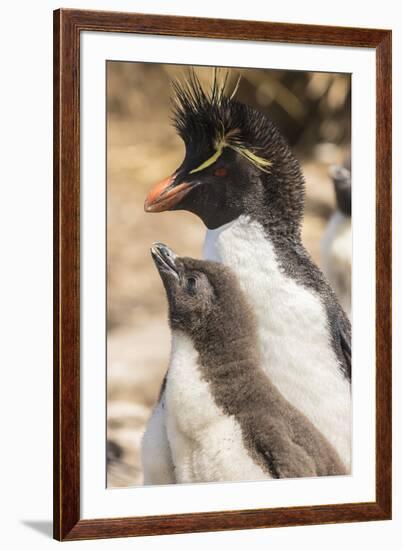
(293, 330)
(206, 444)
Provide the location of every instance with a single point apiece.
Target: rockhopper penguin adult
(241, 178)
(224, 419)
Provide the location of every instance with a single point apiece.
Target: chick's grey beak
(165, 259)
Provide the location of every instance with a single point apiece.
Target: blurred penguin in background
(336, 243)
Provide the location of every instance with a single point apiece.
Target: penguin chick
(225, 420)
(336, 243)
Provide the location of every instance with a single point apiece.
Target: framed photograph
(222, 218)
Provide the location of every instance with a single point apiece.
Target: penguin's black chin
(165, 260)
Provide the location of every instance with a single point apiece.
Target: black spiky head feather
(263, 178)
(208, 120)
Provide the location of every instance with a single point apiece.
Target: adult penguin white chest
(241, 178)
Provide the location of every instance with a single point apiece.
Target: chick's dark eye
(221, 172)
(191, 283)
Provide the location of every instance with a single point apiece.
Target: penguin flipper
(346, 347)
(284, 458)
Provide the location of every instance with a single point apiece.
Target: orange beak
(163, 197)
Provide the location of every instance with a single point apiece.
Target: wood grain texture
(198, 27)
(67, 27)
(220, 521)
(384, 276)
(66, 277)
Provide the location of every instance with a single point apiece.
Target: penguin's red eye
(221, 172)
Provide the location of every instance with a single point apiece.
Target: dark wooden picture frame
(68, 24)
